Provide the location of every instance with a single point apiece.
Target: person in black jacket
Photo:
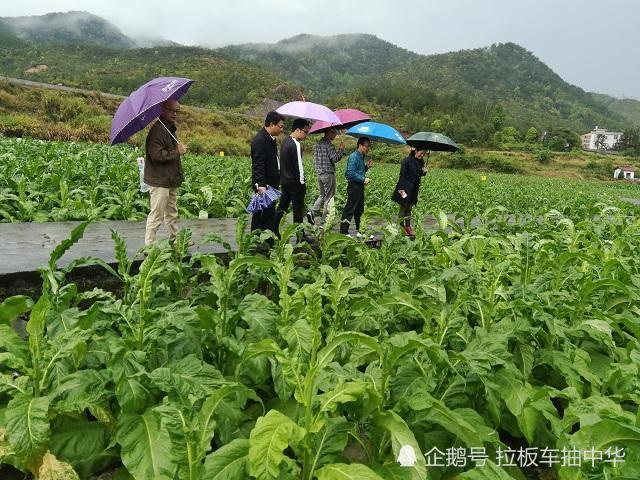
(292, 179)
(265, 167)
(408, 187)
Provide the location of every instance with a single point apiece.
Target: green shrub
(602, 168)
(544, 156)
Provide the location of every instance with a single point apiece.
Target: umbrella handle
(172, 135)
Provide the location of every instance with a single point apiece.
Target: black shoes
(311, 218)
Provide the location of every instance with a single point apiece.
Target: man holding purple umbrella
(163, 172)
(325, 157)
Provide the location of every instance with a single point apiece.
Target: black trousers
(264, 219)
(354, 207)
(291, 195)
(405, 214)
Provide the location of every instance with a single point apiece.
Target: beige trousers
(163, 209)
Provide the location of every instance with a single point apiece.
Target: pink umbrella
(309, 110)
(348, 118)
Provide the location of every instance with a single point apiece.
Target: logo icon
(407, 456)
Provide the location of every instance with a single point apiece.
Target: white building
(626, 172)
(609, 139)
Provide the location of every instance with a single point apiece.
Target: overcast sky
(590, 43)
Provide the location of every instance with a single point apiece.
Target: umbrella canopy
(263, 201)
(144, 105)
(309, 110)
(432, 141)
(377, 132)
(348, 118)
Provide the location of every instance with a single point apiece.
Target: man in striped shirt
(325, 157)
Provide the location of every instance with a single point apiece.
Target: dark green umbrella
(432, 141)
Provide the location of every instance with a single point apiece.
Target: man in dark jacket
(292, 173)
(265, 167)
(408, 187)
(163, 172)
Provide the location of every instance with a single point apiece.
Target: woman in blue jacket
(408, 187)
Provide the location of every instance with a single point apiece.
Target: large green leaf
(326, 354)
(268, 439)
(14, 385)
(27, 422)
(401, 435)
(328, 443)
(343, 393)
(83, 444)
(145, 447)
(14, 353)
(210, 407)
(261, 314)
(342, 471)
(229, 462)
(181, 429)
(605, 434)
(435, 411)
(13, 307)
(299, 337)
(128, 374)
(187, 376)
(150, 269)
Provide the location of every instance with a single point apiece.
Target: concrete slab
(24, 247)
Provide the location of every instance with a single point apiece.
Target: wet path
(24, 247)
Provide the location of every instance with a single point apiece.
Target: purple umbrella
(262, 201)
(348, 118)
(309, 110)
(144, 105)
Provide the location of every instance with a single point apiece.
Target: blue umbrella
(377, 132)
(263, 201)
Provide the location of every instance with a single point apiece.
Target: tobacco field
(501, 344)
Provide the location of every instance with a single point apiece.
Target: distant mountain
(7, 37)
(69, 27)
(75, 28)
(477, 81)
(150, 42)
(469, 95)
(220, 82)
(627, 107)
(324, 66)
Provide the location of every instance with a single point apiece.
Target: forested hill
(627, 107)
(324, 66)
(473, 83)
(220, 82)
(469, 94)
(460, 88)
(67, 28)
